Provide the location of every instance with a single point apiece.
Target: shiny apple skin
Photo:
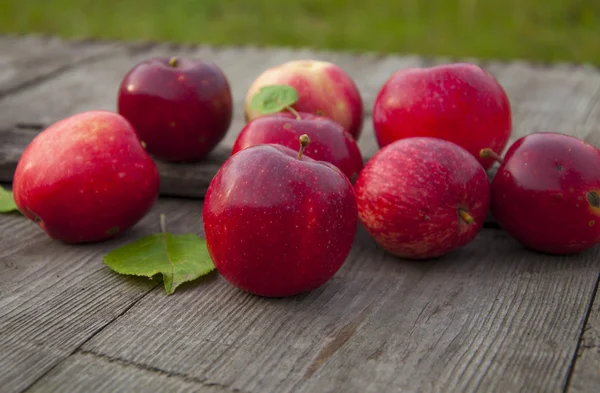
(86, 178)
(276, 225)
(324, 89)
(410, 192)
(181, 112)
(329, 141)
(459, 102)
(543, 193)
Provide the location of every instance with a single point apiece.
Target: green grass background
(545, 30)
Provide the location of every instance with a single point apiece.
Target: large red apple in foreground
(546, 193)
(324, 89)
(328, 139)
(460, 102)
(86, 178)
(422, 197)
(181, 108)
(278, 223)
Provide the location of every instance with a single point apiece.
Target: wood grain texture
(85, 372)
(491, 317)
(563, 99)
(27, 60)
(586, 370)
(53, 297)
(176, 179)
(94, 85)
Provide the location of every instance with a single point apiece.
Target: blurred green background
(545, 30)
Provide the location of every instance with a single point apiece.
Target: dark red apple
(324, 89)
(546, 193)
(278, 223)
(329, 140)
(422, 197)
(181, 108)
(86, 178)
(459, 102)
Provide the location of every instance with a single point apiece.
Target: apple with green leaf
(329, 140)
(459, 102)
(546, 192)
(422, 197)
(278, 223)
(324, 89)
(86, 178)
(180, 107)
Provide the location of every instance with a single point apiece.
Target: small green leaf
(7, 201)
(274, 98)
(179, 258)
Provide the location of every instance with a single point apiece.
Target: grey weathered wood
(586, 370)
(564, 99)
(491, 317)
(85, 372)
(26, 60)
(54, 297)
(561, 99)
(176, 179)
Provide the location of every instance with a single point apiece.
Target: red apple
(460, 102)
(181, 108)
(329, 141)
(324, 89)
(422, 197)
(546, 193)
(86, 178)
(278, 223)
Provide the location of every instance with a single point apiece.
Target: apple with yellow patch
(324, 89)
(86, 178)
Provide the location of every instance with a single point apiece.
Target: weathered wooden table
(491, 317)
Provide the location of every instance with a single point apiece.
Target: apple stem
(489, 153)
(294, 112)
(304, 141)
(173, 61)
(163, 223)
(465, 216)
(593, 199)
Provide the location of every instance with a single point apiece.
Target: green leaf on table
(179, 258)
(7, 201)
(274, 98)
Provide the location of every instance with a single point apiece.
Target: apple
(458, 102)
(324, 89)
(181, 108)
(86, 178)
(278, 223)
(422, 197)
(329, 140)
(546, 192)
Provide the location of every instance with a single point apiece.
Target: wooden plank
(84, 373)
(54, 297)
(181, 179)
(586, 369)
(94, 86)
(490, 317)
(561, 99)
(25, 60)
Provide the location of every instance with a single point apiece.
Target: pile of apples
(280, 215)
